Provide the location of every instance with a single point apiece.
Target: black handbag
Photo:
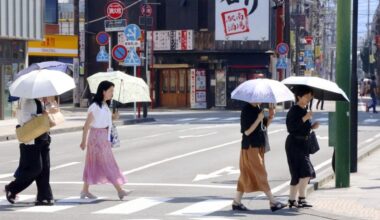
(312, 143)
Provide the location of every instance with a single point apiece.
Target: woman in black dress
(253, 175)
(299, 126)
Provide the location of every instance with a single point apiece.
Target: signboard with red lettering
(242, 20)
(115, 10)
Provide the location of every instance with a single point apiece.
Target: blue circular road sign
(102, 38)
(132, 32)
(119, 52)
(282, 48)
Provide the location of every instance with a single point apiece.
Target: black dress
(296, 145)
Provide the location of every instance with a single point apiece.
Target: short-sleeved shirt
(294, 122)
(248, 116)
(102, 117)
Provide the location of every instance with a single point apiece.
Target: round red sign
(115, 10)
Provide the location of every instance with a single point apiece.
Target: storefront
(53, 47)
(12, 60)
(17, 27)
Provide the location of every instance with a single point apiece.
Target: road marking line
(46, 209)
(209, 119)
(203, 208)
(78, 200)
(231, 119)
(371, 120)
(4, 201)
(133, 206)
(198, 136)
(185, 119)
(179, 157)
(64, 165)
(3, 176)
(322, 137)
(279, 118)
(369, 140)
(322, 119)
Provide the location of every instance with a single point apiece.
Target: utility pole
(145, 72)
(76, 92)
(342, 150)
(354, 91)
(369, 40)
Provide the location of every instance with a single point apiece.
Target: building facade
(198, 50)
(24, 22)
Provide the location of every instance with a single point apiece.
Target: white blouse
(102, 117)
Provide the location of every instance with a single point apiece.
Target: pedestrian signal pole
(342, 151)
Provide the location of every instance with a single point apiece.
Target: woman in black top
(299, 126)
(253, 176)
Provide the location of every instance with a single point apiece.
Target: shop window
(18, 50)
(173, 80)
(182, 81)
(165, 81)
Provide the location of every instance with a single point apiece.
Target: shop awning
(171, 66)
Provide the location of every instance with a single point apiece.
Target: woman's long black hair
(99, 97)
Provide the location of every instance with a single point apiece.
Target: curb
(328, 174)
(79, 128)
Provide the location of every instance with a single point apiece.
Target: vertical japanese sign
(198, 89)
(220, 88)
(242, 20)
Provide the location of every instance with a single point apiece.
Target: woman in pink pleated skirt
(100, 166)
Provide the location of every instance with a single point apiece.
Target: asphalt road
(183, 166)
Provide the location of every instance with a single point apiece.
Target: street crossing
(202, 207)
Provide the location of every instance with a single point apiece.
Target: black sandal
(277, 206)
(293, 203)
(302, 203)
(239, 207)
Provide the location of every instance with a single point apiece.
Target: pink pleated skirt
(101, 166)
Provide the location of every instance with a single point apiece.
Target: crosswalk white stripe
(203, 208)
(46, 209)
(371, 120)
(209, 119)
(133, 206)
(231, 119)
(4, 201)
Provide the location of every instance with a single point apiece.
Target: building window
(165, 81)
(51, 11)
(173, 81)
(182, 80)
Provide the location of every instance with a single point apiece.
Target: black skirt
(298, 157)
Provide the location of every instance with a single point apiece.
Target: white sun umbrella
(322, 88)
(127, 88)
(41, 83)
(262, 91)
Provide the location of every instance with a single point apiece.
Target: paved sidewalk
(74, 121)
(361, 200)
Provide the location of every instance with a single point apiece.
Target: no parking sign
(119, 52)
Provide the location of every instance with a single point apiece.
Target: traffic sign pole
(134, 104)
(110, 57)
